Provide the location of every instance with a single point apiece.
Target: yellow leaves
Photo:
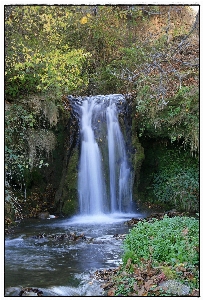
(8, 22)
(47, 27)
(38, 60)
(84, 20)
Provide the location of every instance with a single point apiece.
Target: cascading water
(91, 186)
(120, 176)
(104, 177)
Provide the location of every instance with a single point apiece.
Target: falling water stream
(105, 179)
(37, 256)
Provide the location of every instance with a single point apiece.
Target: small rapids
(37, 257)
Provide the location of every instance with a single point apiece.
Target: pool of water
(35, 257)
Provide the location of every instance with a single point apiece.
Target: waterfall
(104, 175)
(91, 186)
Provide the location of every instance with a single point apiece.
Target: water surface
(63, 267)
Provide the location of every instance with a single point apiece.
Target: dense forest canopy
(148, 51)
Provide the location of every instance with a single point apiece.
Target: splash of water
(104, 179)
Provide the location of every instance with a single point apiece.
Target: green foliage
(44, 43)
(69, 193)
(122, 289)
(57, 71)
(17, 123)
(183, 120)
(177, 181)
(156, 251)
(181, 190)
(37, 56)
(178, 119)
(171, 240)
(108, 81)
(136, 55)
(169, 176)
(27, 144)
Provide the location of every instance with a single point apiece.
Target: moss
(69, 207)
(164, 159)
(138, 155)
(137, 160)
(69, 198)
(178, 119)
(150, 165)
(9, 211)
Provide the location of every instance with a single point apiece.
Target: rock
(111, 292)
(46, 215)
(52, 217)
(119, 236)
(107, 285)
(175, 287)
(43, 215)
(195, 293)
(31, 292)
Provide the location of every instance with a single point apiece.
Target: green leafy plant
(177, 181)
(171, 240)
(156, 251)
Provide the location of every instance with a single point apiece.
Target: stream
(38, 256)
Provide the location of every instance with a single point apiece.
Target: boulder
(43, 215)
(175, 287)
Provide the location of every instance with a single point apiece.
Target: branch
(186, 37)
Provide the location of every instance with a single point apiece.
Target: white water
(91, 186)
(104, 179)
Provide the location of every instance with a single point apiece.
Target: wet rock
(111, 292)
(132, 222)
(195, 293)
(62, 237)
(30, 292)
(43, 215)
(175, 287)
(90, 240)
(46, 215)
(39, 236)
(156, 215)
(119, 236)
(107, 285)
(105, 275)
(52, 217)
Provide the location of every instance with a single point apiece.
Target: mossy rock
(137, 157)
(69, 207)
(69, 198)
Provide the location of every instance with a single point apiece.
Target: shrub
(177, 181)
(171, 240)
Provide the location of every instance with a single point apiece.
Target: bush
(177, 181)
(171, 240)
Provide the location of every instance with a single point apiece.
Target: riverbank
(147, 278)
(78, 256)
